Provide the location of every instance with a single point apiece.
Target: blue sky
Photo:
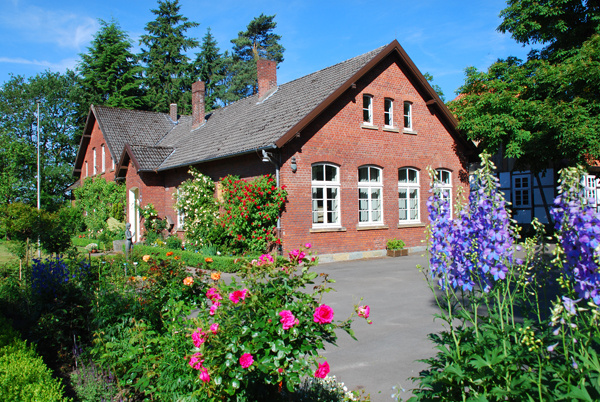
(442, 37)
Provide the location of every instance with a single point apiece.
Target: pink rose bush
(271, 324)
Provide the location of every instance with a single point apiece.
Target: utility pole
(38, 172)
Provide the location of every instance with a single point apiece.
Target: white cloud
(60, 66)
(64, 29)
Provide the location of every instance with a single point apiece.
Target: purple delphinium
(476, 247)
(578, 229)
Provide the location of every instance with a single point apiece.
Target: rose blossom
(215, 276)
(287, 319)
(189, 281)
(214, 307)
(363, 311)
(237, 295)
(323, 314)
(199, 337)
(213, 294)
(308, 245)
(322, 370)
(297, 255)
(246, 360)
(214, 328)
(204, 375)
(196, 361)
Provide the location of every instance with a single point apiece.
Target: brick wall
(337, 137)
(96, 142)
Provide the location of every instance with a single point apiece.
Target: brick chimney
(197, 104)
(173, 112)
(267, 77)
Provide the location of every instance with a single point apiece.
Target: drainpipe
(268, 157)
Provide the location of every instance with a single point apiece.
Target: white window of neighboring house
(180, 217)
(325, 195)
(368, 109)
(388, 112)
(103, 158)
(369, 195)
(408, 195)
(408, 123)
(94, 160)
(521, 191)
(86, 169)
(443, 185)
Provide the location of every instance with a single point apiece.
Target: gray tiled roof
(241, 127)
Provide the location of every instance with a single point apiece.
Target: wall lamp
(294, 166)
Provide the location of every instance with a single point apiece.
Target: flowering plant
(270, 329)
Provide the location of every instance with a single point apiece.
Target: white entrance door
(134, 212)
(592, 191)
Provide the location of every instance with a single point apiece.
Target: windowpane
(412, 176)
(407, 115)
(388, 114)
(408, 195)
(375, 174)
(330, 173)
(367, 109)
(325, 193)
(317, 173)
(363, 174)
(402, 176)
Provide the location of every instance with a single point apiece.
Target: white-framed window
(388, 112)
(180, 216)
(408, 123)
(103, 158)
(112, 161)
(443, 185)
(325, 195)
(87, 172)
(408, 195)
(521, 191)
(368, 109)
(94, 160)
(370, 189)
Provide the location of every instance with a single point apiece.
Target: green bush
(23, 374)
(173, 243)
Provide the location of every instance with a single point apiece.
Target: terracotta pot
(397, 253)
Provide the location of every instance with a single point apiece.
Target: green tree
(545, 109)
(99, 200)
(110, 74)
(211, 67)
(257, 41)
(168, 73)
(59, 137)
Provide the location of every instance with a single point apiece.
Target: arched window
(370, 195)
(443, 185)
(408, 195)
(325, 195)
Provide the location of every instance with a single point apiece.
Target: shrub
(23, 374)
(98, 200)
(173, 243)
(395, 244)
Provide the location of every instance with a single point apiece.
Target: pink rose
(238, 295)
(213, 308)
(287, 319)
(214, 328)
(280, 370)
(297, 255)
(322, 370)
(363, 311)
(266, 259)
(198, 337)
(246, 360)
(213, 294)
(308, 245)
(196, 361)
(204, 375)
(323, 314)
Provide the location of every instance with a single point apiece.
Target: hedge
(23, 374)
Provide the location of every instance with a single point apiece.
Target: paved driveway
(402, 309)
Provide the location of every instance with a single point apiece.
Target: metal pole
(38, 171)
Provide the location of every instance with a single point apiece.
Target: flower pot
(397, 253)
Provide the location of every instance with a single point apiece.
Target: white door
(134, 213)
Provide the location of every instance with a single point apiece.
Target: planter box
(397, 253)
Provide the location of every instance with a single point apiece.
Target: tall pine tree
(211, 68)
(110, 74)
(168, 73)
(257, 41)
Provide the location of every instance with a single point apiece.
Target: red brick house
(351, 143)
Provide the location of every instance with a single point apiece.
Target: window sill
(391, 129)
(408, 131)
(325, 230)
(369, 126)
(411, 225)
(371, 227)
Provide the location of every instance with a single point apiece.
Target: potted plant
(395, 248)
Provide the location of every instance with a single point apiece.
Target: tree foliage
(211, 68)
(99, 200)
(167, 69)
(59, 136)
(110, 74)
(544, 109)
(257, 41)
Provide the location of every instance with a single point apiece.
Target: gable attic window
(86, 169)
(94, 161)
(368, 110)
(325, 195)
(408, 121)
(103, 158)
(388, 112)
(112, 161)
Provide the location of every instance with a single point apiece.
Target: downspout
(268, 157)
